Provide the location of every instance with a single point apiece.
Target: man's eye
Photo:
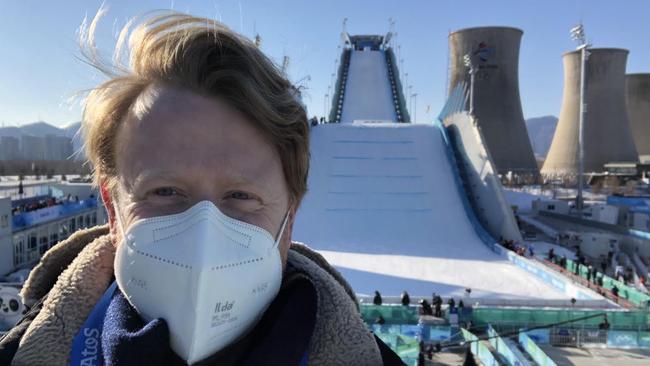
(165, 191)
(240, 195)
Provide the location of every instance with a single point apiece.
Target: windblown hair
(203, 56)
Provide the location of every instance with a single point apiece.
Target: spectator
(603, 265)
(551, 255)
(421, 359)
(604, 325)
(406, 300)
(437, 302)
(451, 303)
(425, 308)
(377, 299)
(429, 352)
(615, 293)
(380, 320)
(618, 272)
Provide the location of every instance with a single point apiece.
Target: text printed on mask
(222, 313)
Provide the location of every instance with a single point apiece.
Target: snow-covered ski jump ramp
(385, 209)
(368, 92)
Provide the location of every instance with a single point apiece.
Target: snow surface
(384, 208)
(368, 94)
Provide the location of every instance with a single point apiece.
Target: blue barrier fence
(46, 214)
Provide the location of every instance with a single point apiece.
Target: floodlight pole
(577, 33)
(325, 105)
(415, 105)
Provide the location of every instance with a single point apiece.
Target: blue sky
(39, 71)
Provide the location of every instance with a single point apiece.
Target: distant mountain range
(540, 133)
(42, 129)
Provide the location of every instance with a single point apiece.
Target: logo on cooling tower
(483, 51)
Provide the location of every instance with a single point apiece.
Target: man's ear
(104, 191)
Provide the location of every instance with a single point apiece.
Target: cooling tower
(637, 96)
(497, 107)
(607, 136)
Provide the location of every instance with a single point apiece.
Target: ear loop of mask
(119, 222)
(284, 224)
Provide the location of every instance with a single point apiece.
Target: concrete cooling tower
(637, 96)
(497, 107)
(607, 136)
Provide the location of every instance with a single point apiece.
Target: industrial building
(637, 97)
(494, 51)
(607, 136)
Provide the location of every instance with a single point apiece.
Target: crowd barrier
(502, 348)
(536, 353)
(479, 349)
(631, 294)
(516, 317)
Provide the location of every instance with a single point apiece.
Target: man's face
(177, 148)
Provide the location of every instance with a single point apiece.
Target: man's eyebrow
(233, 179)
(148, 174)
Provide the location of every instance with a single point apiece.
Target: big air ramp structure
(637, 96)
(497, 105)
(607, 136)
(385, 204)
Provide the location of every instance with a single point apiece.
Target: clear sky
(39, 71)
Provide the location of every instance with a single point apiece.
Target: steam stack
(497, 106)
(638, 110)
(607, 136)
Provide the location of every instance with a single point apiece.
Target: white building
(603, 213)
(32, 147)
(9, 148)
(555, 206)
(31, 225)
(57, 147)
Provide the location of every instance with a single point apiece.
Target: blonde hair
(202, 56)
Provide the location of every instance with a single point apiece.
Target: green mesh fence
(632, 295)
(390, 314)
(526, 317)
(521, 317)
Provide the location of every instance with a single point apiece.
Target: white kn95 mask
(209, 276)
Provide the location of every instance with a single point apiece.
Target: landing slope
(384, 208)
